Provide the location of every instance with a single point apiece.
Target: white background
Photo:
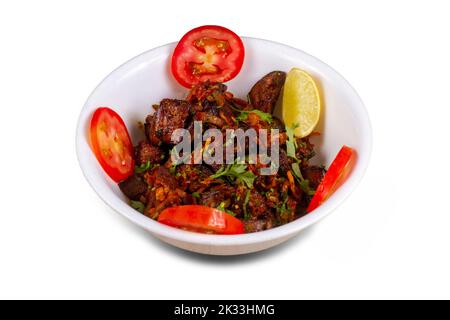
(389, 240)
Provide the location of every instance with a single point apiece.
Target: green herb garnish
(304, 184)
(283, 208)
(296, 170)
(291, 143)
(246, 200)
(221, 207)
(143, 167)
(196, 194)
(238, 172)
(139, 206)
(243, 114)
(267, 117)
(291, 146)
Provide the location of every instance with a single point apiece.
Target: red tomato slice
(335, 176)
(111, 144)
(201, 219)
(207, 53)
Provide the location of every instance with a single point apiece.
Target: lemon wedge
(301, 102)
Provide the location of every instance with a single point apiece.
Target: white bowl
(136, 85)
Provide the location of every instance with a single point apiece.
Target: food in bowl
(216, 197)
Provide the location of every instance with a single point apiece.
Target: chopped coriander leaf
(291, 143)
(221, 172)
(290, 148)
(283, 208)
(221, 207)
(296, 170)
(247, 216)
(267, 117)
(196, 194)
(243, 114)
(139, 206)
(304, 184)
(143, 167)
(248, 178)
(238, 172)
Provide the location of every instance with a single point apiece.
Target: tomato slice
(335, 176)
(111, 144)
(201, 219)
(207, 53)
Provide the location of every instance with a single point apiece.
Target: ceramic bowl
(146, 79)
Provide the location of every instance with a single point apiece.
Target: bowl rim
(289, 229)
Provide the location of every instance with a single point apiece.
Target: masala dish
(221, 197)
